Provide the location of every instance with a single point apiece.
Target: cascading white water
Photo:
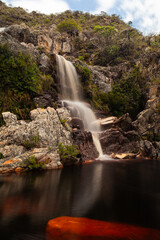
(71, 95)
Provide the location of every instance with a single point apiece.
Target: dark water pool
(125, 191)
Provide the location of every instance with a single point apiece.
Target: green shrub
(17, 103)
(46, 83)
(107, 31)
(126, 95)
(19, 82)
(18, 72)
(68, 153)
(91, 90)
(84, 73)
(81, 58)
(1, 155)
(70, 26)
(32, 164)
(63, 121)
(31, 142)
(110, 55)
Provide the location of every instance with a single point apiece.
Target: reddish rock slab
(71, 228)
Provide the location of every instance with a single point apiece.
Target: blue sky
(145, 14)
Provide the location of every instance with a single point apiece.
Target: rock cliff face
(141, 136)
(20, 140)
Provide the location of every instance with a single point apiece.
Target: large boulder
(22, 33)
(44, 132)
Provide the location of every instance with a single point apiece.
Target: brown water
(116, 191)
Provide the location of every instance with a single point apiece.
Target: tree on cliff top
(70, 26)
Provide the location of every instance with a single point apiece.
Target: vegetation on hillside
(97, 40)
(20, 82)
(70, 26)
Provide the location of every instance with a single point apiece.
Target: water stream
(72, 96)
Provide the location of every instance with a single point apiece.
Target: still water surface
(119, 191)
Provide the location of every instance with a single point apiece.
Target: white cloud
(43, 6)
(144, 13)
(104, 5)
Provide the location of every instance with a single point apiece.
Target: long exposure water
(71, 94)
(117, 191)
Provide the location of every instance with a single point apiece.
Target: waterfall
(71, 95)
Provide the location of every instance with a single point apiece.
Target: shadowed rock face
(69, 228)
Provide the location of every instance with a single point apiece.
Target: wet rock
(147, 149)
(107, 123)
(132, 135)
(85, 144)
(77, 123)
(143, 120)
(124, 156)
(125, 122)
(45, 64)
(114, 140)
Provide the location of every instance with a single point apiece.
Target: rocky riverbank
(119, 73)
(38, 138)
(23, 142)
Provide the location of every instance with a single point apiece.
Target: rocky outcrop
(148, 124)
(39, 137)
(123, 140)
(83, 140)
(141, 136)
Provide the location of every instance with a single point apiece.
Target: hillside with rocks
(119, 69)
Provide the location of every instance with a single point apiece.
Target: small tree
(68, 153)
(107, 31)
(70, 26)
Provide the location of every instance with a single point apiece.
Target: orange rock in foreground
(71, 228)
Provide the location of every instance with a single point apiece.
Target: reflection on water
(113, 191)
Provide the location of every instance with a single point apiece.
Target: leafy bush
(47, 83)
(17, 103)
(68, 153)
(91, 90)
(126, 95)
(19, 82)
(81, 58)
(107, 31)
(1, 155)
(110, 55)
(17, 72)
(84, 72)
(32, 164)
(70, 26)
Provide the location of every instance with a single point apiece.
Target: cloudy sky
(145, 14)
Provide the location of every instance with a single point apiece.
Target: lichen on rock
(39, 137)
